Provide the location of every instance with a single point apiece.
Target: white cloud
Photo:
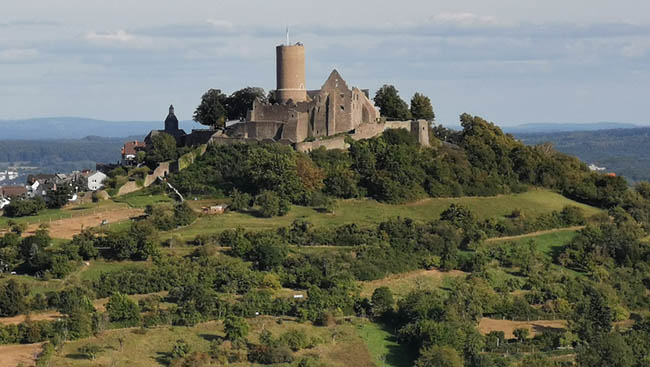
(463, 19)
(220, 24)
(18, 55)
(120, 36)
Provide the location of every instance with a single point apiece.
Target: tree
(521, 334)
(436, 356)
(271, 204)
(212, 109)
(592, 316)
(606, 350)
(236, 329)
(123, 310)
(13, 298)
(390, 104)
(163, 148)
(421, 108)
(24, 207)
(56, 199)
(241, 101)
(382, 301)
(85, 242)
(240, 201)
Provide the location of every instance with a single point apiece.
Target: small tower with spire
(171, 122)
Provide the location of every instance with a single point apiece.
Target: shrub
(123, 310)
(90, 350)
(294, 339)
(271, 204)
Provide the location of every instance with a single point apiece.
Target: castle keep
(305, 119)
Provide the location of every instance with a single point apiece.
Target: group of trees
(480, 160)
(216, 107)
(24, 207)
(391, 106)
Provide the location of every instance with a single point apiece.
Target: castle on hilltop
(305, 119)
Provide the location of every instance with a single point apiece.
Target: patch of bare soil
(15, 320)
(486, 325)
(14, 355)
(68, 227)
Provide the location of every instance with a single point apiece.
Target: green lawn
(546, 243)
(48, 215)
(367, 212)
(383, 346)
(142, 198)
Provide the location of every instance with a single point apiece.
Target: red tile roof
(13, 191)
(131, 147)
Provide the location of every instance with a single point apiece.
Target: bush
(271, 204)
(240, 201)
(294, 339)
(90, 350)
(23, 208)
(123, 310)
(269, 354)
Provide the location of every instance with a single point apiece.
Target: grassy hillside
(367, 211)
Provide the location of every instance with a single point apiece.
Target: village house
(96, 180)
(130, 151)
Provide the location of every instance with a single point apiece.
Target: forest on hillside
(61, 155)
(623, 151)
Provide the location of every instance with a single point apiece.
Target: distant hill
(550, 127)
(78, 128)
(59, 155)
(623, 151)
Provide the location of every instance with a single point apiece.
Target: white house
(96, 181)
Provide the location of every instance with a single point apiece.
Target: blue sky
(510, 61)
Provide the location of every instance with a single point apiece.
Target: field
(368, 212)
(486, 325)
(547, 242)
(67, 227)
(402, 284)
(337, 345)
(383, 346)
(17, 355)
(49, 215)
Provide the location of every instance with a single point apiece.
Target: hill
(476, 251)
(78, 127)
(623, 151)
(551, 127)
(59, 155)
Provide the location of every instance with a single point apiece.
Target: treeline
(55, 152)
(480, 160)
(619, 150)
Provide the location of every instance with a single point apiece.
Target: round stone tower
(291, 73)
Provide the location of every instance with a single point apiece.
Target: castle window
(342, 108)
(342, 95)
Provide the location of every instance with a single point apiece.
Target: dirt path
(486, 325)
(68, 227)
(534, 234)
(14, 355)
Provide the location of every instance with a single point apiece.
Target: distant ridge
(79, 127)
(550, 127)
